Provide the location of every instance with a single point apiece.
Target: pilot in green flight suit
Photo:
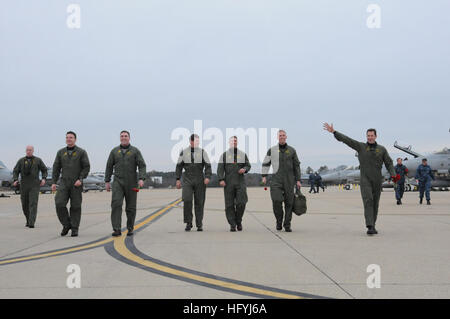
(196, 176)
(28, 168)
(285, 177)
(371, 157)
(124, 160)
(72, 163)
(231, 169)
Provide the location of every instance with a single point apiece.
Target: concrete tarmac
(326, 255)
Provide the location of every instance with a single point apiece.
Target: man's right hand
(264, 180)
(16, 183)
(328, 127)
(222, 183)
(53, 187)
(108, 187)
(178, 185)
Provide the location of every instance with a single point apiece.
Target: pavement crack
(303, 256)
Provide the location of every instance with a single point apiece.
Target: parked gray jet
(438, 161)
(6, 176)
(341, 175)
(92, 182)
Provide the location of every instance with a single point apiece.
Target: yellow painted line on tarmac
(88, 246)
(56, 253)
(120, 247)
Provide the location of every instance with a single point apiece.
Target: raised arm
(342, 138)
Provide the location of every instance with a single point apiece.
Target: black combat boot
(287, 229)
(371, 230)
(428, 202)
(398, 202)
(117, 233)
(65, 231)
(279, 227)
(130, 232)
(74, 233)
(239, 227)
(233, 228)
(421, 200)
(188, 227)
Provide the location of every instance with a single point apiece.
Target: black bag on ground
(299, 203)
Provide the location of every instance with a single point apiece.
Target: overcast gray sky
(152, 66)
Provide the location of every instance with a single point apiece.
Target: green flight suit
(286, 173)
(371, 158)
(235, 190)
(124, 161)
(28, 168)
(197, 167)
(72, 164)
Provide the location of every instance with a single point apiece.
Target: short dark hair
(399, 158)
(234, 136)
(193, 137)
(73, 133)
(372, 130)
(125, 132)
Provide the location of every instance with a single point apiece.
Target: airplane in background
(341, 175)
(438, 161)
(92, 182)
(6, 175)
